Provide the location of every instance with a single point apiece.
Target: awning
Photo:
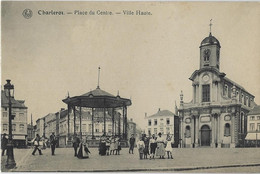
(19, 137)
(252, 136)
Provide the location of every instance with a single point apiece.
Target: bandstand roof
(97, 99)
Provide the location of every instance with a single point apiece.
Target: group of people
(155, 146)
(38, 143)
(109, 145)
(80, 147)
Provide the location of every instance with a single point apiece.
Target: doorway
(205, 135)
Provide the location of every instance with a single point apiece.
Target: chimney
(145, 115)
(131, 119)
(159, 109)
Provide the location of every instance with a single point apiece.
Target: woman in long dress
(112, 145)
(83, 151)
(160, 146)
(169, 148)
(102, 146)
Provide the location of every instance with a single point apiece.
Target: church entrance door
(205, 135)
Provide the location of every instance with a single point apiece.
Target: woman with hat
(160, 146)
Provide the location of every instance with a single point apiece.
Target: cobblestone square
(189, 160)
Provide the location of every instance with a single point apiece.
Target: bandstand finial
(210, 24)
(98, 77)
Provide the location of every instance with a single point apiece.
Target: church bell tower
(210, 51)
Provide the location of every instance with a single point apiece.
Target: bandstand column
(126, 123)
(68, 124)
(80, 130)
(104, 121)
(74, 113)
(123, 122)
(119, 125)
(92, 130)
(113, 122)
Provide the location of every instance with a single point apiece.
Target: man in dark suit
(76, 142)
(53, 143)
(132, 144)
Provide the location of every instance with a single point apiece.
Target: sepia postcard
(164, 87)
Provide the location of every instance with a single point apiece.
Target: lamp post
(10, 163)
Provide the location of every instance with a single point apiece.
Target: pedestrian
(140, 147)
(102, 145)
(4, 142)
(119, 146)
(107, 145)
(83, 152)
(169, 147)
(132, 144)
(160, 146)
(146, 146)
(153, 146)
(112, 144)
(53, 143)
(116, 145)
(36, 143)
(75, 143)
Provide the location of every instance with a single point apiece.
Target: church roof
(162, 113)
(255, 110)
(210, 40)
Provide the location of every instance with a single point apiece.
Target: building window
(5, 127)
(187, 132)
(226, 90)
(155, 130)
(14, 127)
(258, 126)
(205, 93)
(252, 118)
(258, 117)
(21, 128)
(167, 121)
(155, 122)
(227, 130)
(252, 126)
(84, 128)
(89, 127)
(4, 114)
(21, 116)
(242, 98)
(161, 130)
(167, 130)
(245, 101)
(149, 123)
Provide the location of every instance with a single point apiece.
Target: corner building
(216, 116)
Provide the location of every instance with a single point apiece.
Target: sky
(146, 58)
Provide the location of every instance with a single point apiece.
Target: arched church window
(227, 130)
(187, 132)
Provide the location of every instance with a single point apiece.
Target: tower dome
(210, 40)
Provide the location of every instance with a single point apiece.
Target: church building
(216, 116)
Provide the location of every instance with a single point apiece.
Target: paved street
(184, 159)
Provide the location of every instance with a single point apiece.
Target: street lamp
(10, 163)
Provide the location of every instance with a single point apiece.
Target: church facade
(216, 116)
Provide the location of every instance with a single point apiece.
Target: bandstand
(99, 100)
